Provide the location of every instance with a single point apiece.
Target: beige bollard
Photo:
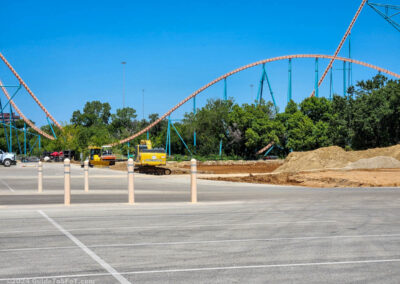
(67, 182)
(86, 170)
(193, 180)
(131, 186)
(40, 177)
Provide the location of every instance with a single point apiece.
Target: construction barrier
(193, 180)
(67, 182)
(86, 170)
(131, 186)
(40, 177)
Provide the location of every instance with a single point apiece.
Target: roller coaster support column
(289, 97)
(350, 79)
(129, 144)
(331, 84)
(344, 79)
(225, 91)
(10, 118)
(194, 113)
(316, 78)
(25, 139)
(40, 145)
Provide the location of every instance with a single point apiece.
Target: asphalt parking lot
(238, 233)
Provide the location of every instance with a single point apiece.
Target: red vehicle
(57, 156)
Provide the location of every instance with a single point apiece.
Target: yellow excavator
(101, 156)
(150, 160)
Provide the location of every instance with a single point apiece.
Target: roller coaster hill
(21, 135)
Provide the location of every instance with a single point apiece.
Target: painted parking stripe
(6, 184)
(263, 266)
(175, 226)
(210, 242)
(94, 256)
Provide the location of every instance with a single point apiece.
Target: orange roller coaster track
(29, 91)
(332, 57)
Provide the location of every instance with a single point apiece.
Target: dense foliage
(369, 116)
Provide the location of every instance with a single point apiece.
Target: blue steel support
(225, 91)
(220, 147)
(350, 77)
(40, 144)
(183, 141)
(4, 125)
(147, 135)
(316, 88)
(129, 144)
(261, 86)
(194, 112)
(270, 91)
(289, 96)
(391, 11)
(25, 139)
(13, 95)
(344, 79)
(331, 84)
(33, 146)
(51, 127)
(10, 147)
(269, 150)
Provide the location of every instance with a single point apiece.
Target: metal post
(194, 113)
(193, 180)
(131, 189)
(129, 144)
(86, 170)
(289, 98)
(220, 148)
(344, 79)
(316, 78)
(169, 136)
(225, 90)
(350, 79)
(40, 144)
(40, 177)
(10, 117)
(331, 84)
(67, 182)
(25, 139)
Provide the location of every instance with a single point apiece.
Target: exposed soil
(330, 178)
(217, 167)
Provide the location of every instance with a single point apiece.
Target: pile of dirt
(331, 178)
(333, 158)
(380, 162)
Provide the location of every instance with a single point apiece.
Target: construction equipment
(149, 159)
(101, 156)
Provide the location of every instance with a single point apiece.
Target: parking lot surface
(240, 233)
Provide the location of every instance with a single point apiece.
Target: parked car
(7, 159)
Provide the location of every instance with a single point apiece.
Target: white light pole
(123, 83)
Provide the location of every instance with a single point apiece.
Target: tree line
(367, 117)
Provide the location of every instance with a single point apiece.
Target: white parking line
(9, 187)
(210, 242)
(265, 266)
(175, 226)
(94, 256)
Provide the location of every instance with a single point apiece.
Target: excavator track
(153, 170)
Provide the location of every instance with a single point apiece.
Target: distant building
(5, 117)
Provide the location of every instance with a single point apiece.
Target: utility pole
(123, 83)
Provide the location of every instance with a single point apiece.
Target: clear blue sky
(70, 52)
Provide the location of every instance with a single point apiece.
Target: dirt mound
(332, 158)
(330, 178)
(380, 162)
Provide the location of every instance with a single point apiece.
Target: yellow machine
(101, 156)
(149, 159)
